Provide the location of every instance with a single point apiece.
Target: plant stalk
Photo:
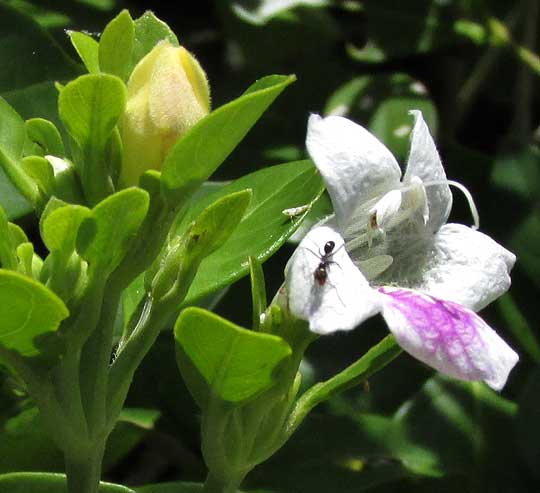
(213, 484)
(84, 471)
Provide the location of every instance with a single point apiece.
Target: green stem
(130, 356)
(84, 470)
(95, 363)
(213, 484)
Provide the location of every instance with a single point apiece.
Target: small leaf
(258, 291)
(27, 310)
(45, 134)
(87, 49)
(221, 360)
(149, 31)
(60, 227)
(215, 224)
(41, 172)
(43, 482)
(12, 137)
(90, 107)
(206, 145)
(116, 45)
(105, 237)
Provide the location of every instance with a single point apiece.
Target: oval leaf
(220, 360)
(27, 310)
(104, 237)
(87, 49)
(116, 45)
(90, 107)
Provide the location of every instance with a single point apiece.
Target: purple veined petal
(354, 164)
(447, 336)
(425, 163)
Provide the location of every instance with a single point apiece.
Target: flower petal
(457, 264)
(355, 166)
(448, 337)
(341, 300)
(425, 163)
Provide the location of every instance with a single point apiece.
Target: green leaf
(12, 132)
(221, 360)
(206, 145)
(149, 31)
(44, 134)
(216, 223)
(90, 107)
(28, 55)
(41, 172)
(47, 18)
(105, 237)
(116, 45)
(28, 310)
(8, 258)
(42, 482)
(87, 49)
(518, 172)
(372, 362)
(208, 232)
(60, 227)
(258, 291)
(12, 137)
(11, 200)
(263, 229)
(37, 101)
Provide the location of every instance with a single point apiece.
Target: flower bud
(167, 94)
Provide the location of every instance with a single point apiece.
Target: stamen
(459, 186)
(468, 196)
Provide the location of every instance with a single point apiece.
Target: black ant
(321, 272)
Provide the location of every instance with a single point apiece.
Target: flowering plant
(134, 194)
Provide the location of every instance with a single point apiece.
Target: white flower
(427, 277)
(404, 221)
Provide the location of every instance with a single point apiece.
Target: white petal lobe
(425, 163)
(354, 164)
(341, 300)
(456, 264)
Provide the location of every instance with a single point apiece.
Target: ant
(321, 272)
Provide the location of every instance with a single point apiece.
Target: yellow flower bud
(167, 94)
